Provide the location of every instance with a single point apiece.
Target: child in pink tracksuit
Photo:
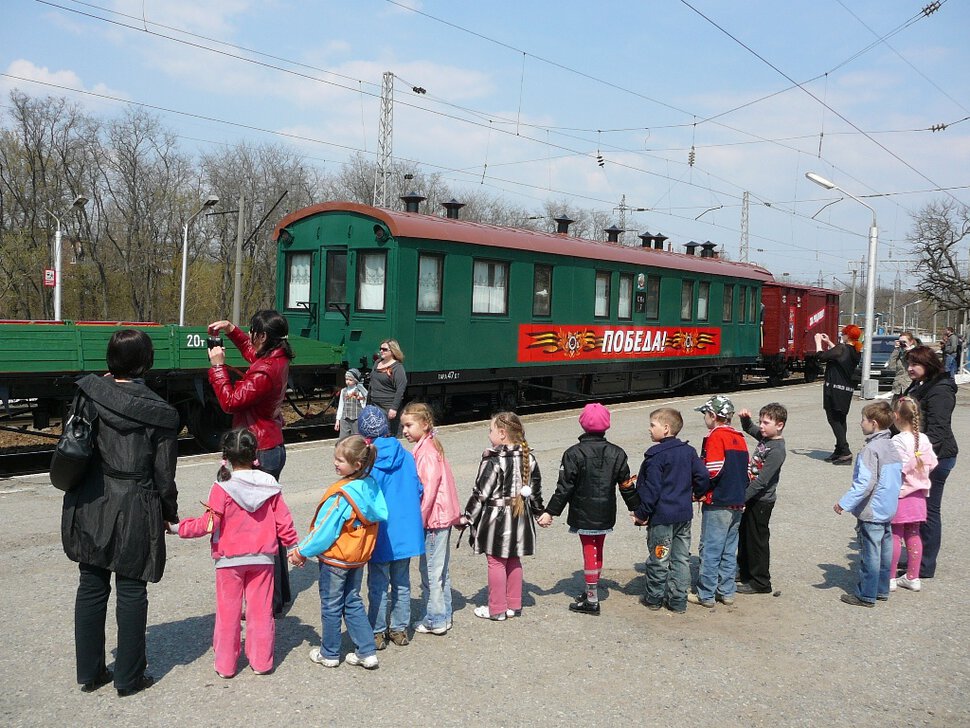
(245, 515)
(439, 512)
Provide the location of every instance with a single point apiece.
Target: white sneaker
(911, 584)
(483, 613)
(892, 585)
(425, 629)
(317, 657)
(368, 663)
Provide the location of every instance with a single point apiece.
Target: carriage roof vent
(562, 224)
(691, 247)
(452, 207)
(411, 201)
(658, 241)
(646, 240)
(707, 249)
(613, 233)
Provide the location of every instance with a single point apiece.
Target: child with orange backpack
(343, 536)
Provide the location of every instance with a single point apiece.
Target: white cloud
(56, 83)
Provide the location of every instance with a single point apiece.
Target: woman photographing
(255, 401)
(840, 362)
(388, 382)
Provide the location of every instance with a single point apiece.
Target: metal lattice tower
(743, 251)
(384, 141)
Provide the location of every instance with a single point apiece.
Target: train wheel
(207, 423)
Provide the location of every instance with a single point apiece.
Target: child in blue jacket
(872, 499)
(670, 474)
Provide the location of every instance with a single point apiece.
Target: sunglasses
(384, 348)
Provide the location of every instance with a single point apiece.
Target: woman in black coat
(936, 392)
(115, 520)
(840, 362)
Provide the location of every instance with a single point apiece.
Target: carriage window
(371, 278)
(336, 290)
(542, 290)
(653, 297)
(743, 303)
(753, 306)
(297, 278)
(624, 308)
(490, 287)
(601, 308)
(687, 300)
(429, 283)
(703, 297)
(728, 313)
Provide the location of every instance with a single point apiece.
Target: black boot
(585, 607)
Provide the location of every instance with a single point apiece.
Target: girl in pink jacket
(439, 511)
(244, 516)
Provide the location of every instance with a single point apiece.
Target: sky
(524, 100)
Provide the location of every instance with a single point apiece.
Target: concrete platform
(802, 658)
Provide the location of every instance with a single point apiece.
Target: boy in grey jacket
(872, 499)
(764, 471)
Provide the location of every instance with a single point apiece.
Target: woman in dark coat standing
(936, 392)
(388, 382)
(115, 521)
(840, 362)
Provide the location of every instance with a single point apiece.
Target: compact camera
(213, 341)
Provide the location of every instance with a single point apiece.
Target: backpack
(358, 536)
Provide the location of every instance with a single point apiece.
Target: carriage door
(336, 308)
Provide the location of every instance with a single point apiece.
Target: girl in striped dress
(501, 514)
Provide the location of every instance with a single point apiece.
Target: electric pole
(743, 249)
(384, 140)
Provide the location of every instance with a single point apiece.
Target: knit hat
(718, 405)
(353, 374)
(372, 422)
(595, 418)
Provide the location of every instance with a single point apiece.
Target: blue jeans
(719, 552)
(951, 364)
(875, 560)
(340, 596)
(668, 565)
(435, 577)
(931, 530)
(272, 461)
(398, 575)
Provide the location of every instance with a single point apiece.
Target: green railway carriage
(41, 360)
(491, 316)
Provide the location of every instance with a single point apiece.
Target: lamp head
(820, 181)
(79, 201)
(210, 201)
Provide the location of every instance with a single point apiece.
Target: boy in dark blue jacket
(725, 454)
(670, 473)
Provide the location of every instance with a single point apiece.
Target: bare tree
(938, 231)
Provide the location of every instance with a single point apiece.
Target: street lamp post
(869, 387)
(907, 305)
(209, 202)
(79, 202)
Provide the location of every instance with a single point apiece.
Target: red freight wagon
(791, 316)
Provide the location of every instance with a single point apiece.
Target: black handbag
(75, 448)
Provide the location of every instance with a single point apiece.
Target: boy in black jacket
(764, 470)
(670, 474)
(589, 475)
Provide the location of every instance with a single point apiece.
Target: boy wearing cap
(349, 403)
(589, 475)
(725, 454)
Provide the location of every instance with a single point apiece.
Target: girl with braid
(918, 461)
(501, 514)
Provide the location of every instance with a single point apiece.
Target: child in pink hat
(590, 473)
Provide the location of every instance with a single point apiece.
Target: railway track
(30, 460)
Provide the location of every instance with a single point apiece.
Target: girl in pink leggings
(918, 461)
(244, 516)
(501, 514)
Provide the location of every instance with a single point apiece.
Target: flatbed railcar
(491, 316)
(41, 360)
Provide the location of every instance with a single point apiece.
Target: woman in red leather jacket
(255, 401)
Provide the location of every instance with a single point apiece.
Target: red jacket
(255, 400)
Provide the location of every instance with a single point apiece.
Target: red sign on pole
(49, 279)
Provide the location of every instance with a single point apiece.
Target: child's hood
(368, 497)
(251, 488)
(390, 454)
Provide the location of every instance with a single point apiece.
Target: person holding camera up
(899, 363)
(255, 401)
